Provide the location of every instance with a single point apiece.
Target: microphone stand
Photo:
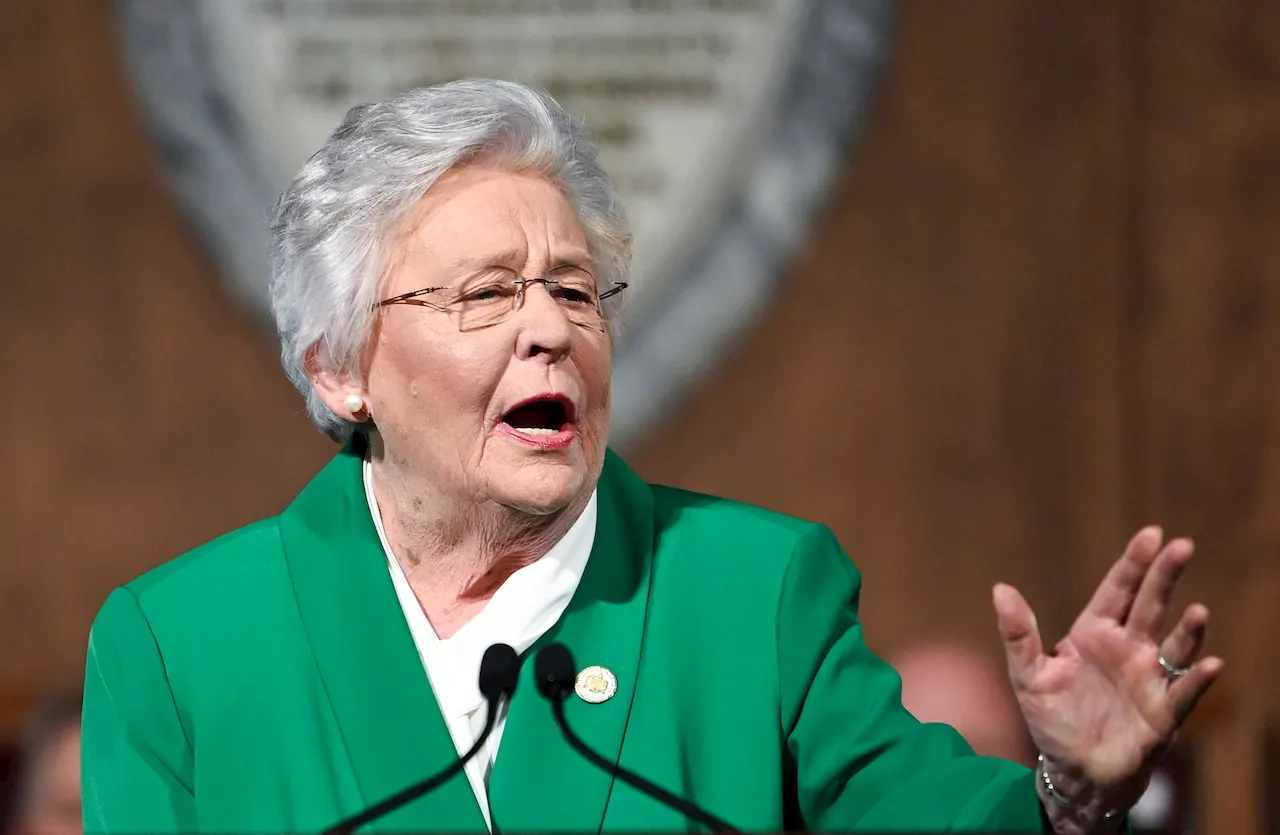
(636, 781)
(499, 670)
(395, 801)
(554, 673)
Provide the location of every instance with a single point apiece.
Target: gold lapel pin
(595, 684)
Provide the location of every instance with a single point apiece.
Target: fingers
(1180, 649)
(1187, 638)
(1018, 631)
(1185, 692)
(1116, 594)
(1151, 605)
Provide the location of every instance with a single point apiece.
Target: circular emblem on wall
(723, 123)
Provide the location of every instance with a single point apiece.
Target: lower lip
(555, 440)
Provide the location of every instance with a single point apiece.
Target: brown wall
(1041, 312)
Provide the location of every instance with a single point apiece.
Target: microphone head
(554, 672)
(499, 671)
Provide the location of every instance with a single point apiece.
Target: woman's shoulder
(742, 565)
(686, 507)
(238, 560)
(720, 529)
(218, 600)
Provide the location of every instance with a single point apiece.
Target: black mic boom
(554, 671)
(499, 670)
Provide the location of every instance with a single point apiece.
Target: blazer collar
(539, 783)
(386, 711)
(389, 719)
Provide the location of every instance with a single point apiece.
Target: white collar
(523, 608)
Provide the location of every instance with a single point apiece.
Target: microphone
(554, 672)
(499, 670)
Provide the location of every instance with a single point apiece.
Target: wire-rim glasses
(493, 298)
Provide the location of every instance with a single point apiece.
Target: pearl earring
(354, 403)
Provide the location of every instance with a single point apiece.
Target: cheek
(596, 368)
(432, 375)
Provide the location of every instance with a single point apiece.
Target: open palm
(1102, 707)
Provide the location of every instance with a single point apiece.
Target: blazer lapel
(538, 783)
(390, 721)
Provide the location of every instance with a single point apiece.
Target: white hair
(331, 229)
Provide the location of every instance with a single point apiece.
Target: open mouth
(541, 416)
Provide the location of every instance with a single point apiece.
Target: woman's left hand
(1103, 707)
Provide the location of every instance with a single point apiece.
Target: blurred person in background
(961, 687)
(47, 792)
(445, 277)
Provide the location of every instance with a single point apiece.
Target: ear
(339, 390)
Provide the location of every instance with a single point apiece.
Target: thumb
(1018, 631)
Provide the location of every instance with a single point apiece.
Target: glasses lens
(492, 299)
(483, 303)
(575, 292)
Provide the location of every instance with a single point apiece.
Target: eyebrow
(571, 258)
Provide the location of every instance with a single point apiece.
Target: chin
(540, 488)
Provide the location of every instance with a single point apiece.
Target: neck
(456, 551)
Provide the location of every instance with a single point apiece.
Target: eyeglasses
(492, 298)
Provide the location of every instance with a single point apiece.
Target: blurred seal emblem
(723, 122)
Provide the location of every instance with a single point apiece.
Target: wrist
(1072, 803)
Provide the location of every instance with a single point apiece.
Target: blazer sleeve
(860, 760)
(136, 762)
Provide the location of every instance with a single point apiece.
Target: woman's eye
(487, 293)
(569, 294)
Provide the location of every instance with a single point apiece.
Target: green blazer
(267, 682)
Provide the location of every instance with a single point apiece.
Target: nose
(545, 332)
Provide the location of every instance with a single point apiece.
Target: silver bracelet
(1043, 774)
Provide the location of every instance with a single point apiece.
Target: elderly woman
(445, 271)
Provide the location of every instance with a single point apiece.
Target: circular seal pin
(595, 685)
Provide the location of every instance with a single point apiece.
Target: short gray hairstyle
(331, 228)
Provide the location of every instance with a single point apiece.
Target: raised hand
(1109, 700)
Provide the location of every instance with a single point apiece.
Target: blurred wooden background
(1041, 312)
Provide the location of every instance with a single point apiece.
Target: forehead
(475, 212)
